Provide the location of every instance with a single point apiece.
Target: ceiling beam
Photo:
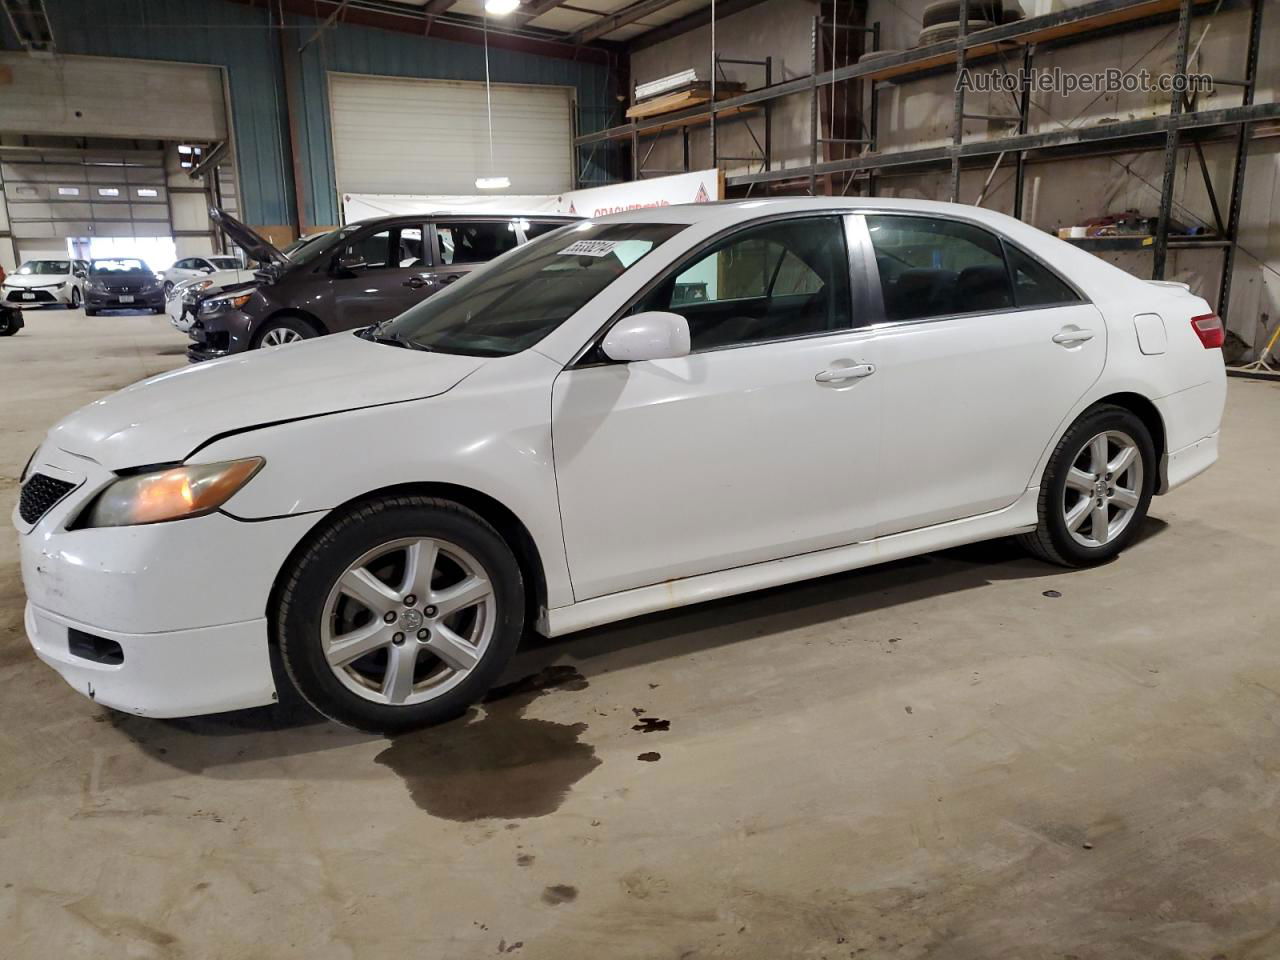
(692, 21)
(436, 7)
(611, 22)
(534, 10)
(404, 19)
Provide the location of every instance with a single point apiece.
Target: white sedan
(630, 414)
(194, 268)
(39, 283)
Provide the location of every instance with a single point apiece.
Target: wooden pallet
(693, 95)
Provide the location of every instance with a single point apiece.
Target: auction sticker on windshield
(589, 248)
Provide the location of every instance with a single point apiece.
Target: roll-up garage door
(431, 136)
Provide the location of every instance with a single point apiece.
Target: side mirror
(652, 335)
(206, 269)
(349, 264)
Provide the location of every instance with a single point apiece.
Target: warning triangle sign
(701, 196)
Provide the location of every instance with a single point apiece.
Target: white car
(39, 283)
(629, 414)
(189, 268)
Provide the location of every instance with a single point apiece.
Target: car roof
(455, 215)
(729, 212)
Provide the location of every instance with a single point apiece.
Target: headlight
(173, 494)
(97, 285)
(225, 303)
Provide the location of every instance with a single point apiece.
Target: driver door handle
(418, 282)
(1070, 336)
(840, 373)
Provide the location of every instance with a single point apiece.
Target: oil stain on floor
(504, 765)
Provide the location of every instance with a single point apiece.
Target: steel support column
(1161, 251)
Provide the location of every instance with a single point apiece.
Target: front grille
(42, 296)
(39, 494)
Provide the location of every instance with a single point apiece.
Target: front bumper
(219, 335)
(179, 673)
(151, 300)
(18, 296)
(185, 602)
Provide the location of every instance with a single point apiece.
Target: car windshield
(108, 268)
(511, 305)
(225, 263)
(45, 267)
(317, 244)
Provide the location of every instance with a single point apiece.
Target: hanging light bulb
(500, 8)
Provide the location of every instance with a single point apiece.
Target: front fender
(490, 434)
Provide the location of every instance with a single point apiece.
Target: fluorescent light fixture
(500, 8)
(492, 183)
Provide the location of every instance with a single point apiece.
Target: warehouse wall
(917, 113)
(240, 38)
(781, 29)
(356, 49)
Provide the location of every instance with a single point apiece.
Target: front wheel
(1096, 489)
(7, 327)
(75, 299)
(401, 613)
(284, 330)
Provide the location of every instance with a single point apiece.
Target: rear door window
(475, 241)
(935, 268)
(1034, 284)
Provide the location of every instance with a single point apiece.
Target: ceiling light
(500, 8)
(492, 183)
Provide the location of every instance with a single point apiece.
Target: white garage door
(431, 136)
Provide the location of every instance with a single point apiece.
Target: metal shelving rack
(1092, 20)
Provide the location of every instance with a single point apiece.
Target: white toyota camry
(629, 414)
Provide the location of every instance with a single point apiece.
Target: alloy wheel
(278, 336)
(1103, 488)
(408, 621)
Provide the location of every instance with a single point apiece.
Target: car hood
(164, 419)
(36, 279)
(247, 239)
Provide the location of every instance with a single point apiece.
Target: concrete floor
(929, 759)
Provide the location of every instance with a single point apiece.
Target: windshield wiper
(376, 335)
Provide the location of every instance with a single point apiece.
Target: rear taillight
(1208, 328)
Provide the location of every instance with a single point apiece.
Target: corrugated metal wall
(239, 38)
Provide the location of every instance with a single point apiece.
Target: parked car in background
(182, 297)
(122, 283)
(566, 438)
(194, 267)
(360, 274)
(40, 283)
(10, 321)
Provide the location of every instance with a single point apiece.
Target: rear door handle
(838, 374)
(1072, 335)
(418, 282)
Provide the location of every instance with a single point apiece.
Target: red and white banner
(701, 186)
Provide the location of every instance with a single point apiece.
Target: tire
(314, 613)
(283, 330)
(7, 327)
(1053, 540)
(75, 299)
(876, 55)
(90, 312)
(948, 11)
(949, 31)
(168, 289)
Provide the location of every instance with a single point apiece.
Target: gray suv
(351, 277)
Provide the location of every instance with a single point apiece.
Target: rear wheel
(402, 613)
(281, 330)
(1096, 489)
